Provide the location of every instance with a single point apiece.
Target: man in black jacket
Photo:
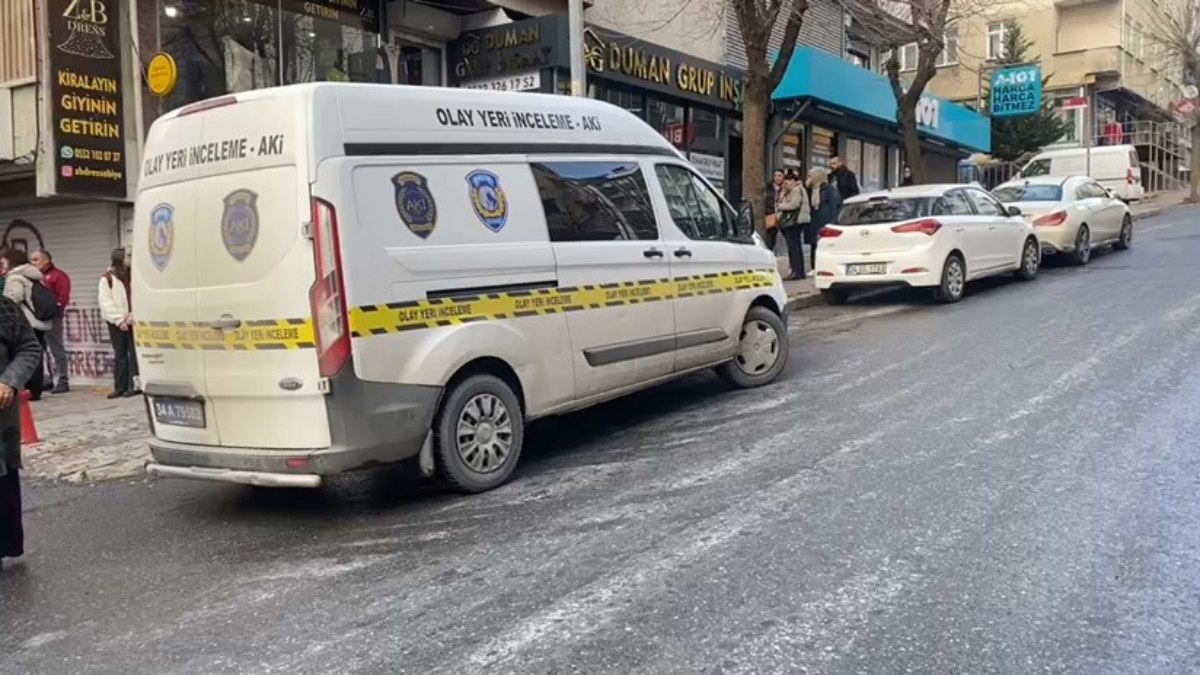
(842, 178)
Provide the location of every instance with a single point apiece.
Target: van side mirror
(744, 228)
(1014, 211)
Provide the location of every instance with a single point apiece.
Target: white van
(336, 276)
(1115, 167)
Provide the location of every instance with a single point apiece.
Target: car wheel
(835, 297)
(1083, 246)
(954, 280)
(1030, 260)
(762, 350)
(478, 434)
(1125, 240)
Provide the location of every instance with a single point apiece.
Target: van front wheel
(762, 350)
(478, 434)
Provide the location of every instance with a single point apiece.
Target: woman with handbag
(794, 215)
(771, 224)
(824, 203)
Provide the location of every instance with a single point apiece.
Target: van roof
(396, 119)
(1098, 150)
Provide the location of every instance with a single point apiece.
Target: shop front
(695, 104)
(826, 106)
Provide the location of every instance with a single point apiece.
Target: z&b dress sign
(1017, 91)
(86, 107)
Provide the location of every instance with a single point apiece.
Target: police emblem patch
(488, 199)
(239, 223)
(162, 235)
(414, 203)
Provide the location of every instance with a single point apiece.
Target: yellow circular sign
(162, 74)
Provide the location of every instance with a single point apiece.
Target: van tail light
(828, 233)
(1131, 176)
(328, 295)
(928, 227)
(1051, 220)
(219, 102)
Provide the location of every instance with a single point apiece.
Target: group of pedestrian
(33, 300)
(802, 206)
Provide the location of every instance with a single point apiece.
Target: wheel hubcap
(1126, 233)
(758, 348)
(485, 433)
(954, 278)
(1031, 258)
(1084, 245)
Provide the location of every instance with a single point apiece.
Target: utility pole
(575, 29)
(1089, 117)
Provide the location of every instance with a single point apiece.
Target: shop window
(221, 48)
(824, 147)
(696, 210)
(871, 178)
(708, 130)
(668, 119)
(419, 63)
(595, 201)
(322, 51)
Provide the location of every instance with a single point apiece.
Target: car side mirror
(1014, 211)
(744, 228)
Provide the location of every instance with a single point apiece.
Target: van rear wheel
(478, 434)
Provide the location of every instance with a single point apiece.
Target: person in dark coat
(906, 177)
(20, 356)
(773, 191)
(824, 205)
(842, 178)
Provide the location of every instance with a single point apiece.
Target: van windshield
(1029, 193)
(1038, 167)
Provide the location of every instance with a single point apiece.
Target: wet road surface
(1005, 485)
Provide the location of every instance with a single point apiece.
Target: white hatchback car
(1072, 215)
(934, 236)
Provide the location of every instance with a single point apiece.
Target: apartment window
(908, 57)
(949, 55)
(1127, 33)
(1139, 41)
(997, 38)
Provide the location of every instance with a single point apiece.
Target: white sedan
(934, 236)
(1072, 215)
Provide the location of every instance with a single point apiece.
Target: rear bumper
(831, 270)
(1057, 239)
(371, 424)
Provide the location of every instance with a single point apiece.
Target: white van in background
(1115, 167)
(336, 276)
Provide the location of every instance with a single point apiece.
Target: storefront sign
(362, 14)
(162, 74)
(531, 81)
(86, 96)
(620, 57)
(1017, 91)
(929, 112)
(510, 50)
(1074, 103)
(711, 167)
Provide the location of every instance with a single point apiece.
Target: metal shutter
(81, 238)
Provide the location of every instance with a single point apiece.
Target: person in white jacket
(19, 278)
(117, 309)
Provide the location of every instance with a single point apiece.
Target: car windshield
(1029, 193)
(885, 210)
(1038, 167)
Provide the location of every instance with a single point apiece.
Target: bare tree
(1176, 29)
(758, 19)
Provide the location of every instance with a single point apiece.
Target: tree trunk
(754, 141)
(907, 116)
(1194, 198)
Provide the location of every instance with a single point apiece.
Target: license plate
(863, 269)
(178, 412)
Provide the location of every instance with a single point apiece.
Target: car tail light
(1131, 176)
(929, 227)
(1051, 220)
(828, 233)
(328, 295)
(211, 103)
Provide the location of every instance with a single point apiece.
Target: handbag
(772, 221)
(788, 219)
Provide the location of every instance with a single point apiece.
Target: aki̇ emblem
(162, 235)
(239, 223)
(488, 199)
(414, 203)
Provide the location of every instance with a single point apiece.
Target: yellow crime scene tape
(384, 319)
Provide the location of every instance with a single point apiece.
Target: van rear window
(1029, 193)
(595, 201)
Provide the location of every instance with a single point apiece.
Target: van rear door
(246, 203)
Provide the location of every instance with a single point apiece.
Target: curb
(804, 301)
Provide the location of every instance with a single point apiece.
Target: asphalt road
(1007, 485)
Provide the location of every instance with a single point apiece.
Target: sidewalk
(86, 437)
